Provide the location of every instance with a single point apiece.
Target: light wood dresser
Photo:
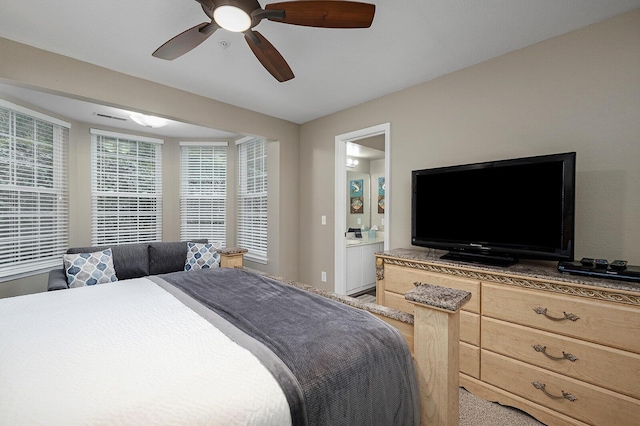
(564, 348)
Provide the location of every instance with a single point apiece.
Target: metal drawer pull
(565, 395)
(565, 355)
(543, 311)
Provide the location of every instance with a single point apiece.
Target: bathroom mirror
(366, 187)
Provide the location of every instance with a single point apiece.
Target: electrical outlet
(323, 276)
(324, 220)
(359, 221)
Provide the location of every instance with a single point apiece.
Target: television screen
(501, 210)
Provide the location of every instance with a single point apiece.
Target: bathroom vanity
(361, 263)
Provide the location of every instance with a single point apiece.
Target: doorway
(340, 247)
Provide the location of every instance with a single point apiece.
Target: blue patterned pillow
(201, 256)
(84, 269)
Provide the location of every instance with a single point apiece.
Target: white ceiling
(356, 150)
(93, 114)
(410, 41)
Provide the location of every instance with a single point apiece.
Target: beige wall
(577, 92)
(41, 70)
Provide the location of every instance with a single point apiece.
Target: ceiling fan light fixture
(149, 120)
(244, 15)
(232, 18)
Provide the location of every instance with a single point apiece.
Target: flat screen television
(497, 212)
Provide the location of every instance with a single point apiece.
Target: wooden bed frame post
(436, 346)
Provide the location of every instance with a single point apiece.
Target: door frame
(340, 247)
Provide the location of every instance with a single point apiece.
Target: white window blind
(126, 188)
(203, 191)
(34, 206)
(252, 198)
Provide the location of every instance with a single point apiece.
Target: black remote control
(601, 263)
(618, 265)
(587, 261)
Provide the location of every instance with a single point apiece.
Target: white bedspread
(126, 353)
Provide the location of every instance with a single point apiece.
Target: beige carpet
(476, 411)
(367, 298)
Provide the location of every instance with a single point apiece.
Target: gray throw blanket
(351, 368)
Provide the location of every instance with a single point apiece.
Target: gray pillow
(129, 260)
(165, 257)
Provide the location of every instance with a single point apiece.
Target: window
(34, 206)
(203, 191)
(252, 198)
(126, 188)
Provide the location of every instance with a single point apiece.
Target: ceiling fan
(244, 15)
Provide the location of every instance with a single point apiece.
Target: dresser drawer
(592, 404)
(399, 279)
(398, 302)
(470, 360)
(606, 367)
(470, 328)
(610, 324)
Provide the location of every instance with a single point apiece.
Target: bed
(215, 346)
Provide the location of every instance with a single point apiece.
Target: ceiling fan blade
(185, 41)
(268, 56)
(324, 13)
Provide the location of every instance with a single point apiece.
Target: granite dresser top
(545, 270)
(450, 299)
